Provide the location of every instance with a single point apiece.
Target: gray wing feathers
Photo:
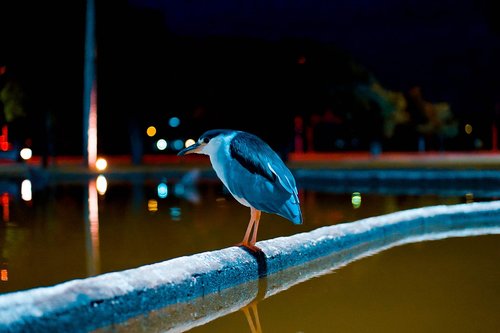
(258, 158)
(288, 185)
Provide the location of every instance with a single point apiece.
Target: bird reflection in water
(252, 315)
(186, 187)
(251, 310)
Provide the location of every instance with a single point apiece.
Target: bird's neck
(220, 159)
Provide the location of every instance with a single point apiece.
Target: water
(69, 230)
(450, 285)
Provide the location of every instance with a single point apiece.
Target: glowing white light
(26, 193)
(101, 184)
(161, 144)
(189, 142)
(178, 144)
(26, 153)
(162, 190)
(174, 122)
(101, 164)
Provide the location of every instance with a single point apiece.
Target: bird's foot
(249, 246)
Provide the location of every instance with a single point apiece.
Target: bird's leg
(255, 227)
(254, 218)
(254, 326)
(250, 226)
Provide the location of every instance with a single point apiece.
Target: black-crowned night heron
(253, 173)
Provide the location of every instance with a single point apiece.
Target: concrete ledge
(482, 183)
(86, 304)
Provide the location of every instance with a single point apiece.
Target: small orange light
(4, 275)
(151, 131)
(152, 205)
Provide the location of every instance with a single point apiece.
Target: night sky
(234, 64)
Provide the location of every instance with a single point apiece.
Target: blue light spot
(175, 213)
(178, 144)
(162, 190)
(179, 190)
(174, 122)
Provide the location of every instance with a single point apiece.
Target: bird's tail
(292, 210)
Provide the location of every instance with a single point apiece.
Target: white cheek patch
(208, 149)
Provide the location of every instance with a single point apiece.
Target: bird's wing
(257, 157)
(253, 154)
(286, 180)
(292, 205)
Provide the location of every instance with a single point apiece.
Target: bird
(253, 173)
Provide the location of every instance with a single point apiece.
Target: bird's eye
(206, 140)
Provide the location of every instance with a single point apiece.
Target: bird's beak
(194, 148)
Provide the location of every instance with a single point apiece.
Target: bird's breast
(232, 175)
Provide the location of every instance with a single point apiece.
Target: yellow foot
(249, 246)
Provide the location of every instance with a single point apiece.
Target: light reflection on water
(71, 230)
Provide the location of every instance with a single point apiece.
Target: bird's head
(208, 142)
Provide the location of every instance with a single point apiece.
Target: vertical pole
(89, 90)
(494, 129)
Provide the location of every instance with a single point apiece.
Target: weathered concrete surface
(87, 304)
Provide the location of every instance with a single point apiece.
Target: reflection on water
(70, 229)
(443, 286)
(252, 315)
(92, 228)
(446, 286)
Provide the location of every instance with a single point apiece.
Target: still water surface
(69, 230)
(450, 285)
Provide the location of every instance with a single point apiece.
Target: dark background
(249, 65)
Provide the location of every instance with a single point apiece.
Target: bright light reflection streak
(26, 193)
(5, 207)
(101, 184)
(93, 254)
